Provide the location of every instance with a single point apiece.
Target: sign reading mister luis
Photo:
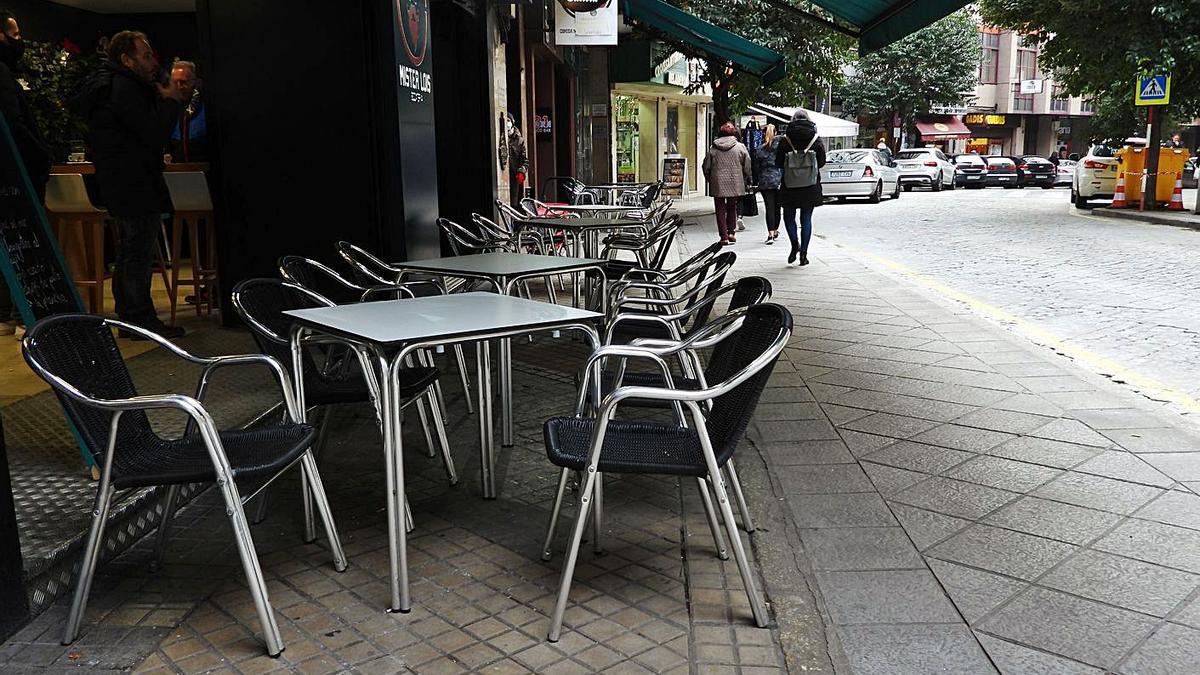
(412, 18)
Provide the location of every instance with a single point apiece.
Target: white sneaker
(741, 225)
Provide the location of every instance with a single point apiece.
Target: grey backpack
(800, 168)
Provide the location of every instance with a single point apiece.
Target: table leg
(483, 366)
(506, 389)
(397, 535)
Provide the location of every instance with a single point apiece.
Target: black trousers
(135, 268)
(771, 206)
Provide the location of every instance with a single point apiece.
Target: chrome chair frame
(693, 401)
(193, 407)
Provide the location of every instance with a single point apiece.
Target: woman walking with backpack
(727, 170)
(800, 156)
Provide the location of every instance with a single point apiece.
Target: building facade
(1018, 108)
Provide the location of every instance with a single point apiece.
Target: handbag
(748, 204)
(800, 169)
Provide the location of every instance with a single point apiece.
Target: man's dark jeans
(135, 268)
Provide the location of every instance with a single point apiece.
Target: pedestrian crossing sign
(1153, 90)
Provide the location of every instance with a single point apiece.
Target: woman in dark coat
(799, 133)
(766, 177)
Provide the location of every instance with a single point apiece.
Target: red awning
(942, 128)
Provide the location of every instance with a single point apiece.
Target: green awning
(716, 42)
(879, 23)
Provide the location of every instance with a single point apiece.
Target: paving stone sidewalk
(933, 494)
(967, 502)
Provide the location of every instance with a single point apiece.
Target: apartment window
(1058, 99)
(1026, 70)
(1087, 106)
(989, 64)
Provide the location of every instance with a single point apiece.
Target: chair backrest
(757, 342)
(189, 190)
(320, 279)
(651, 193)
(368, 269)
(561, 189)
(750, 291)
(509, 214)
(80, 351)
(464, 240)
(711, 278)
(261, 303)
(67, 193)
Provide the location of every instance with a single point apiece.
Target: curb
(1144, 217)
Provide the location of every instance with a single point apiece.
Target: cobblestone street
(1125, 292)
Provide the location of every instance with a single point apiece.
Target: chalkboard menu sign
(29, 257)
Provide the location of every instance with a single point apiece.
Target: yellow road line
(1147, 385)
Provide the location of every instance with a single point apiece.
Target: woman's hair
(727, 129)
(800, 114)
(769, 134)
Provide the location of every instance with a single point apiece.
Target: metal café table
(391, 331)
(585, 243)
(611, 189)
(505, 271)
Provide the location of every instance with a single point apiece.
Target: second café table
(504, 271)
(584, 230)
(391, 331)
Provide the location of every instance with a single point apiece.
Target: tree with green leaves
(1100, 47)
(814, 54)
(935, 66)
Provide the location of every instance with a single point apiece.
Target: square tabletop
(501, 264)
(460, 315)
(582, 223)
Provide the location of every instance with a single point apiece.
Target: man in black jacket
(129, 124)
(14, 105)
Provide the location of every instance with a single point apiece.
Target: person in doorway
(766, 177)
(35, 154)
(129, 117)
(800, 137)
(727, 168)
(189, 137)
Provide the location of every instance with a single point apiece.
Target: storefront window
(636, 145)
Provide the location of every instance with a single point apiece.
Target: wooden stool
(79, 226)
(193, 209)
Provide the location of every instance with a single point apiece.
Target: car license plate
(1002, 177)
(840, 174)
(972, 177)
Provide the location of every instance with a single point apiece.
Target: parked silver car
(859, 172)
(927, 167)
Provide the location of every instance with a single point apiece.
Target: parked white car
(1095, 176)
(927, 167)
(859, 172)
(1066, 172)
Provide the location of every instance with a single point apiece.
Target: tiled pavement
(933, 495)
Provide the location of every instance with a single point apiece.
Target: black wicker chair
(719, 414)
(77, 355)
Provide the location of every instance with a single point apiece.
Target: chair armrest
(625, 352)
(281, 376)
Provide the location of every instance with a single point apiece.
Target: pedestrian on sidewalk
(800, 157)
(727, 170)
(767, 176)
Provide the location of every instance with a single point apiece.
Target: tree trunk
(720, 105)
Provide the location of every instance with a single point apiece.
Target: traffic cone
(1177, 196)
(1119, 201)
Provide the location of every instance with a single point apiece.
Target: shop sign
(985, 120)
(1031, 86)
(543, 124)
(585, 22)
(599, 110)
(414, 74)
